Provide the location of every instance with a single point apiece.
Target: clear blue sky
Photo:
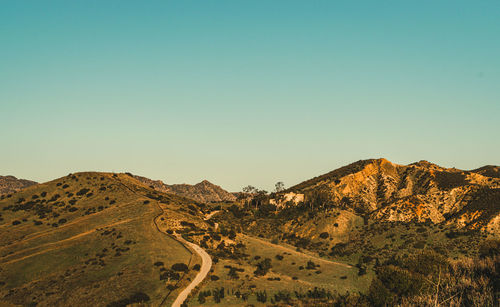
(246, 92)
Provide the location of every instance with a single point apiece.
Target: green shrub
(489, 248)
(180, 267)
(379, 295)
(138, 297)
(263, 267)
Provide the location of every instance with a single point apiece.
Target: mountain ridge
(418, 191)
(9, 184)
(203, 192)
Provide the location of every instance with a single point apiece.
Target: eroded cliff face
(421, 191)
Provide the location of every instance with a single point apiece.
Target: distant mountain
(488, 171)
(9, 184)
(204, 192)
(381, 190)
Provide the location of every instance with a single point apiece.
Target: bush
(379, 295)
(399, 281)
(169, 275)
(324, 235)
(310, 265)
(233, 274)
(180, 267)
(171, 287)
(263, 267)
(419, 245)
(201, 298)
(82, 192)
(489, 248)
(138, 297)
(261, 296)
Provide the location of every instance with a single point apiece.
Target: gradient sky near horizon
(246, 92)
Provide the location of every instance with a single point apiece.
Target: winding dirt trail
(206, 264)
(206, 260)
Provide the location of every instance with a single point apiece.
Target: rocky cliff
(422, 191)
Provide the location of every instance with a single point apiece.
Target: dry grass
(102, 251)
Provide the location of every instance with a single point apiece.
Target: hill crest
(419, 191)
(203, 192)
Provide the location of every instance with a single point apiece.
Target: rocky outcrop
(488, 171)
(9, 184)
(422, 191)
(286, 199)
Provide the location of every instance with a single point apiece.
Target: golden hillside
(91, 239)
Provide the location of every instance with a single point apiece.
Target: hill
(94, 239)
(381, 190)
(488, 171)
(203, 192)
(372, 233)
(402, 229)
(9, 184)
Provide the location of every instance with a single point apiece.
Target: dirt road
(206, 264)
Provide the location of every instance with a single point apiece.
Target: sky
(245, 92)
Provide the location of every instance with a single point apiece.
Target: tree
(250, 189)
(180, 267)
(279, 186)
(201, 298)
(262, 296)
(263, 267)
(260, 198)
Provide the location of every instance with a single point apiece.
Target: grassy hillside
(92, 239)
(370, 234)
(361, 262)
